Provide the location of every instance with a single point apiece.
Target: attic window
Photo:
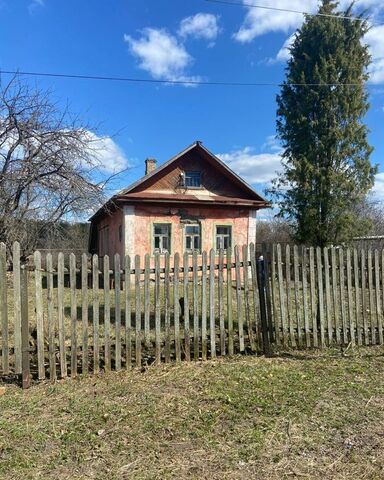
(192, 179)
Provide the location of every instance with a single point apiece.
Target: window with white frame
(162, 237)
(192, 237)
(223, 237)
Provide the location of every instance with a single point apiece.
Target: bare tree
(274, 230)
(48, 163)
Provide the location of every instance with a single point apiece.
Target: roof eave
(229, 202)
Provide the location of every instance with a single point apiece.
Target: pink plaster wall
(146, 216)
(113, 221)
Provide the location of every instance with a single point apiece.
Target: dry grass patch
(307, 415)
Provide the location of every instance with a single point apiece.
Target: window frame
(161, 251)
(192, 172)
(224, 235)
(193, 236)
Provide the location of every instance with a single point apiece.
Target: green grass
(299, 415)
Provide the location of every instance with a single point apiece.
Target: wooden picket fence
(87, 314)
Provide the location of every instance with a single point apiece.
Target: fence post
(261, 274)
(269, 313)
(4, 308)
(25, 361)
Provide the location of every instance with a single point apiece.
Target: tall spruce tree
(326, 154)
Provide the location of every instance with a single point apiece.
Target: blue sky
(173, 40)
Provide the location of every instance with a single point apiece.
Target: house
(192, 202)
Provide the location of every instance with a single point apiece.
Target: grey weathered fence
(90, 314)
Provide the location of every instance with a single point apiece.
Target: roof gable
(217, 178)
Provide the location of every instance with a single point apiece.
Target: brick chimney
(150, 165)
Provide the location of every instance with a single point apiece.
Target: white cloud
(108, 156)
(271, 143)
(259, 22)
(161, 55)
(375, 40)
(255, 168)
(284, 54)
(201, 25)
(378, 189)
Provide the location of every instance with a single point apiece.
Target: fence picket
(39, 316)
(72, 282)
(371, 298)
(187, 339)
(176, 305)
(280, 277)
(364, 296)
(335, 298)
(320, 296)
(307, 332)
(84, 310)
(350, 298)
(357, 296)
(128, 312)
(167, 314)
(342, 297)
(312, 286)
(138, 312)
(195, 307)
(60, 313)
(147, 260)
(107, 313)
(238, 298)
(255, 290)
(17, 306)
(247, 304)
(117, 274)
(221, 301)
(382, 286)
(212, 327)
(4, 309)
(229, 303)
(204, 346)
(328, 306)
(50, 319)
(378, 299)
(296, 277)
(25, 350)
(269, 333)
(95, 313)
(157, 310)
(289, 296)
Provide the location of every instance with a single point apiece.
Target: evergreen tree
(326, 154)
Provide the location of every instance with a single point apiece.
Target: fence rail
(89, 314)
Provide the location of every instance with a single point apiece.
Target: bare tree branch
(49, 164)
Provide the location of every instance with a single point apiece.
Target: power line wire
(175, 82)
(265, 7)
